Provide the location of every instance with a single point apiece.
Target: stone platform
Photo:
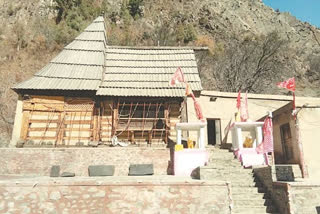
(38, 161)
(119, 194)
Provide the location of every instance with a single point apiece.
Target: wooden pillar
(166, 121)
(61, 129)
(95, 124)
(115, 117)
(25, 125)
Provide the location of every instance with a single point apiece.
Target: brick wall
(63, 196)
(38, 161)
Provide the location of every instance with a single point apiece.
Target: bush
(135, 8)
(186, 33)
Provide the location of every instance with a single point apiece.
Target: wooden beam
(53, 138)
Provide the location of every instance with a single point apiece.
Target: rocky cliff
(34, 31)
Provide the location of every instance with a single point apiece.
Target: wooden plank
(43, 121)
(42, 107)
(68, 122)
(54, 138)
(41, 113)
(55, 129)
(74, 110)
(25, 125)
(46, 99)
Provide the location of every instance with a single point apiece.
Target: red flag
(267, 144)
(239, 100)
(178, 76)
(289, 84)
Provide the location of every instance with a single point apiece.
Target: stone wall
(107, 196)
(301, 196)
(38, 161)
(277, 191)
(305, 197)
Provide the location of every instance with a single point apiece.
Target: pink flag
(289, 84)
(244, 109)
(197, 107)
(267, 143)
(239, 100)
(178, 76)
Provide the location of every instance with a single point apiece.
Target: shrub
(135, 8)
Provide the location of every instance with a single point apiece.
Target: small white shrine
(246, 136)
(188, 159)
(195, 126)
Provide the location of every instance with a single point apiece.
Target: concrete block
(20, 143)
(93, 143)
(55, 171)
(101, 170)
(141, 169)
(68, 174)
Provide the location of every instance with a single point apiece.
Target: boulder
(101, 170)
(141, 169)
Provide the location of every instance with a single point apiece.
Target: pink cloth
(244, 109)
(197, 107)
(185, 161)
(267, 143)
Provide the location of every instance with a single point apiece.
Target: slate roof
(88, 63)
(79, 66)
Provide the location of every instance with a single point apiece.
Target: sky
(304, 10)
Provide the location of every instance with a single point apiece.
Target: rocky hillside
(251, 46)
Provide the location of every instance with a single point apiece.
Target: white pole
(179, 136)
(239, 137)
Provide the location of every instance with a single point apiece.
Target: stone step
(252, 202)
(253, 209)
(227, 177)
(221, 154)
(223, 161)
(244, 189)
(225, 165)
(247, 195)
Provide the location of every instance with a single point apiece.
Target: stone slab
(141, 169)
(67, 174)
(101, 170)
(55, 171)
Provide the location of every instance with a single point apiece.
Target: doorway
(286, 141)
(214, 131)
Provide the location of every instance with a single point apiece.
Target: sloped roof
(146, 71)
(88, 63)
(79, 66)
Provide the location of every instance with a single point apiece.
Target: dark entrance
(286, 141)
(213, 130)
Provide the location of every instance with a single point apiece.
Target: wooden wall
(73, 121)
